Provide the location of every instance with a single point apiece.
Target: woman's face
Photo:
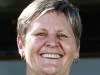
(50, 45)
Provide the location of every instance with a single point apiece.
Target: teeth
(54, 56)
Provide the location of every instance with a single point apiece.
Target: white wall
(86, 67)
(89, 66)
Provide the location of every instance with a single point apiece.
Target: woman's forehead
(52, 21)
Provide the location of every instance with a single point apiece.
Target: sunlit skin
(49, 34)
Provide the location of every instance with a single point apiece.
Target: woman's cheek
(67, 46)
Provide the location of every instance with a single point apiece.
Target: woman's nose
(52, 42)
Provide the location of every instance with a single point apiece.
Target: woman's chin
(50, 66)
(50, 70)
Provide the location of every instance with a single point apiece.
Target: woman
(48, 37)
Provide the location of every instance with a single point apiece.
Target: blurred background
(10, 63)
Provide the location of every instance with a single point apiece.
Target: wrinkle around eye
(40, 34)
(62, 36)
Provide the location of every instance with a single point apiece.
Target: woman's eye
(62, 36)
(40, 34)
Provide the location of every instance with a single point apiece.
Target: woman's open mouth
(51, 56)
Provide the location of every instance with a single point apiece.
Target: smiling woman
(48, 37)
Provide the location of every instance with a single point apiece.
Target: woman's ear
(20, 46)
(77, 53)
